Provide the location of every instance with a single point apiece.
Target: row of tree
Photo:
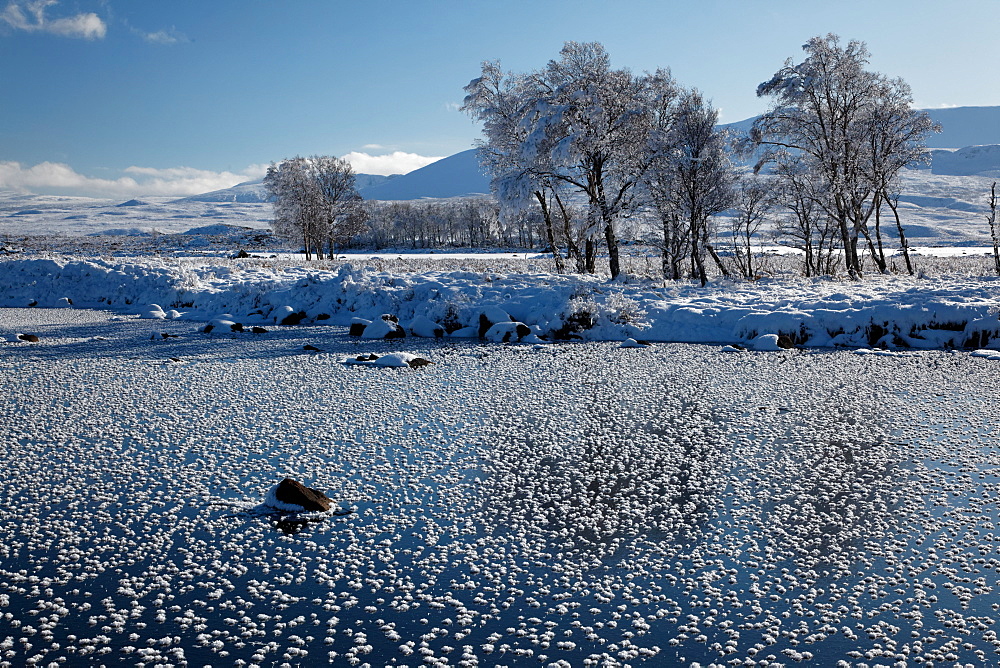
(829, 153)
(578, 149)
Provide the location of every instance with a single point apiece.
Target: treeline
(581, 155)
(468, 222)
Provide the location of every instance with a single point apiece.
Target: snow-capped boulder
(632, 343)
(64, 302)
(292, 496)
(391, 360)
(505, 332)
(358, 326)
(155, 312)
(20, 338)
(490, 316)
(766, 342)
(425, 327)
(384, 328)
(292, 319)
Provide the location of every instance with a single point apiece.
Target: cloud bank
(55, 178)
(30, 17)
(59, 178)
(396, 162)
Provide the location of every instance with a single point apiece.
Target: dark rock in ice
(358, 326)
(30, 338)
(785, 342)
(293, 318)
(310, 348)
(295, 493)
(258, 330)
(236, 327)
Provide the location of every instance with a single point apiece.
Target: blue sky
(130, 97)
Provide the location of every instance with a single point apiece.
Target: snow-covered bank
(890, 311)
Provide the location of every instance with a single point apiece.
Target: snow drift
(894, 311)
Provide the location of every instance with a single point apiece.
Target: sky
(122, 98)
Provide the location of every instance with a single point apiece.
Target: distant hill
(965, 126)
(248, 192)
(960, 126)
(460, 174)
(983, 160)
(453, 176)
(251, 192)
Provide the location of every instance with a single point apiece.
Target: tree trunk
(903, 243)
(992, 219)
(614, 262)
(550, 233)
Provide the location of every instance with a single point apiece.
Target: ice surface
(576, 503)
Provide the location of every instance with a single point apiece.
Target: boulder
(30, 338)
(490, 316)
(258, 330)
(505, 332)
(425, 327)
(293, 493)
(293, 318)
(394, 360)
(785, 342)
(358, 326)
(384, 328)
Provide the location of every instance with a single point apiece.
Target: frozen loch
(568, 505)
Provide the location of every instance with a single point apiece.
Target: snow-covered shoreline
(895, 311)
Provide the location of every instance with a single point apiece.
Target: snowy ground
(575, 502)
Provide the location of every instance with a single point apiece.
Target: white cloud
(396, 162)
(30, 17)
(59, 178)
(162, 37)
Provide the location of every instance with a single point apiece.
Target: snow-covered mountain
(968, 144)
(251, 192)
(454, 176)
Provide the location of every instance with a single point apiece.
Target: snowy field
(569, 504)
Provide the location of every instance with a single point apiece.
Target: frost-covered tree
(691, 179)
(505, 103)
(315, 201)
(806, 227)
(897, 140)
(755, 198)
(824, 114)
(576, 123)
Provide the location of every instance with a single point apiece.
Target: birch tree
(315, 201)
(824, 113)
(577, 124)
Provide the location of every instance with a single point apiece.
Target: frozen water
(514, 504)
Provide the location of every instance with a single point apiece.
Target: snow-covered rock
(505, 332)
(391, 360)
(425, 327)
